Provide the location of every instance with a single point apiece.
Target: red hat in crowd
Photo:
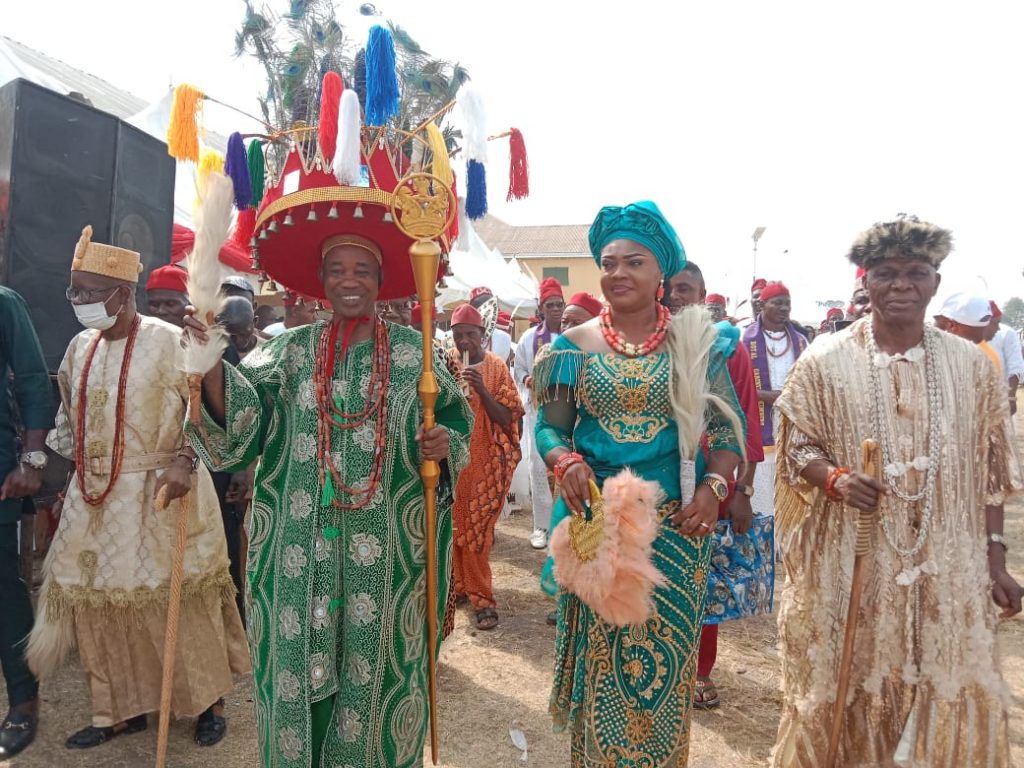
(550, 287)
(758, 284)
(773, 290)
(835, 313)
(467, 314)
(417, 315)
(168, 278)
(231, 255)
(505, 320)
(996, 312)
(483, 290)
(584, 300)
(715, 298)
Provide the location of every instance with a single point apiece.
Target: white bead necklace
(934, 441)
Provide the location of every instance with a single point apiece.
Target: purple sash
(753, 339)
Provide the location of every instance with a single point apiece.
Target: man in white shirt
(552, 304)
(1005, 341)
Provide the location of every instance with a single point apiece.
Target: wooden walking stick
(865, 527)
(171, 632)
(423, 207)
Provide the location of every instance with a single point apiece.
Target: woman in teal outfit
(631, 388)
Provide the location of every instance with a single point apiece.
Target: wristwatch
(193, 460)
(717, 485)
(998, 538)
(746, 490)
(34, 460)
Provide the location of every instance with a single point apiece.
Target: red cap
(835, 313)
(715, 298)
(231, 254)
(168, 278)
(417, 315)
(585, 301)
(483, 290)
(504, 319)
(467, 314)
(996, 312)
(773, 290)
(758, 284)
(550, 287)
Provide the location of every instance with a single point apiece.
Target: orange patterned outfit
(483, 485)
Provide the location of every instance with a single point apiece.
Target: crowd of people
(301, 479)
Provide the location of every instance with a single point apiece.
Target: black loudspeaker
(64, 164)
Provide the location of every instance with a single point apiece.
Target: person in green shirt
(336, 567)
(23, 367)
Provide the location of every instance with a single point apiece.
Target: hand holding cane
(865, 527)
(423, 207)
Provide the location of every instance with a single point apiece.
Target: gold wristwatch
(746, 490)
(717, 485)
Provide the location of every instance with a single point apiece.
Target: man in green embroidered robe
(336, 603)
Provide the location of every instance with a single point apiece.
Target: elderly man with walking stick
(922, 685)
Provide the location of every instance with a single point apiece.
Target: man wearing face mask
(123, 402)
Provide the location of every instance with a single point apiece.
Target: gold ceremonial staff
(423, 207)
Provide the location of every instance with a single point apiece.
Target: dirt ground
(491, 682)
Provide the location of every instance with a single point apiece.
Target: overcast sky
(808, 118)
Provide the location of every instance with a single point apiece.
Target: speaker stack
(65, 164)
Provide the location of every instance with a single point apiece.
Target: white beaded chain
(934, 440)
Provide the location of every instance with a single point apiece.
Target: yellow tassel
(210, 161)
(182, 132)
(440, 166)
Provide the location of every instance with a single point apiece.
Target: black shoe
(16, 733)
(91, 736)
(210, 727)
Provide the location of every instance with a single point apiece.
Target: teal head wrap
(643, 223)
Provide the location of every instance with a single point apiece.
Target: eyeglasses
(79, 296)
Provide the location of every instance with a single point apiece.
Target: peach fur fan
(614, 574)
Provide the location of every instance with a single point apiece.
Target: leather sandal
(706, 695)
(211, 727)
(486, 619)
(91, 736)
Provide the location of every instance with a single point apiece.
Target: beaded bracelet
(832, 479)
(563, 463)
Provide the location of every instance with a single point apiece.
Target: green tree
(1013, 313)
(297, 47)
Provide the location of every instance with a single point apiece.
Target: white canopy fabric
(473, 264)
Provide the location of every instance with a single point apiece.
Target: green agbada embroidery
(336, 598)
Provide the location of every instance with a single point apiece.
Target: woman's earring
(660, 294)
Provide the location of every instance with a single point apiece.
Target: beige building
(558, 250)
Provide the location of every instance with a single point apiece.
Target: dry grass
(493, 681)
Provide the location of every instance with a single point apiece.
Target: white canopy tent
(473, 264)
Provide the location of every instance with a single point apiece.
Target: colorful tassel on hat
(359, 76)
(348, 158)
(257, 171)
(330, 98)
(182, 132)
(440, 165)
(245, 225)
(381, 77)
(471, 104)
(476, 190)
(236, 166)
(519, 167)
(210, 161)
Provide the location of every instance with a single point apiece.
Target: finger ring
(705, 526)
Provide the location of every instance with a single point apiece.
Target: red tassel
(244, 228)
(330, 99)
(519, 169)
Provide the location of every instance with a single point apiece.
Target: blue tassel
(236, 166)
(381, 77)
(359, 76)
(476, 190)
